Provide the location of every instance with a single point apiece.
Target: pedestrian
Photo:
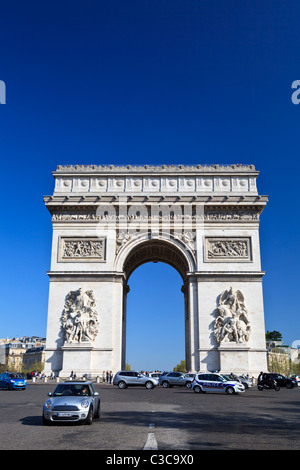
(110, 377)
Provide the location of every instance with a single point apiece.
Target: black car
(283, 381)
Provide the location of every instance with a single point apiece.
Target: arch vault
(202, 220)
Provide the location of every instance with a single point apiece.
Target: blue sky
(136, 82)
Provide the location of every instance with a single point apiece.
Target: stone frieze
(82, 248)
(228, 249)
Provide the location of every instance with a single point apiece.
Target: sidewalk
(97, 380)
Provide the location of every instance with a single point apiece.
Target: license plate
(61, 415)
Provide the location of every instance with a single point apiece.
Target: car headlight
(85, 404)
(48, 404)
(12, 381)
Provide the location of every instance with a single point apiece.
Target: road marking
(151, 443)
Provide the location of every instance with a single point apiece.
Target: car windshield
(225, 377)
(16, 376)
(72, 390)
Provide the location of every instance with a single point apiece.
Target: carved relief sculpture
(83, 249)
(232, 323)
(188, 239)
(225, 249)
(122, 239)
(79, 319)
(229, 249)
(74, 249)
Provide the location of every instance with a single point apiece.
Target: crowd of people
(107, 376)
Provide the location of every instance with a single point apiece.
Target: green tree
(180, 367)
(37, 366)
(273, 336)
(295, 369)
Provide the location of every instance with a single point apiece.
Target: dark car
(283, 381)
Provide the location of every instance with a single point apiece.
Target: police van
(216, 383)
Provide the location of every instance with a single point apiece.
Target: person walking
(260, 377)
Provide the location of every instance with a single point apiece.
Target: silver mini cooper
(71, 402)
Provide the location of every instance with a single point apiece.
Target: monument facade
(202, 220)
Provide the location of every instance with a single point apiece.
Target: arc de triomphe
(202, 220)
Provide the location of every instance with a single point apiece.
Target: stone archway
(156, 250)
(202, 220)
(165, 251)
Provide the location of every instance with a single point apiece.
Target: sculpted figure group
(232, 323)
(79, 319)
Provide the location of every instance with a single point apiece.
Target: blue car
(12, 381)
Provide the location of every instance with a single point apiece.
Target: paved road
(163, 419)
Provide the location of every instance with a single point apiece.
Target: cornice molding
(148, 169)
(81, 276)
(237, 276)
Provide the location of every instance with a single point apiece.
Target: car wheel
(197, 389)
(188, 385)
(165, 384)
(230, 391)
(260, 387)
(89, 419)
(46, 422)
(149, 385)
(122, 384)
(289, 386)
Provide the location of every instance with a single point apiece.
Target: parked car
(155, 375)
(216, 383)
(283, 381)
(175, 378)
(296, 377)
(72, 401)
(12, 381)
(246, 381)
(239, 378)
(191, 376)
(125, 378)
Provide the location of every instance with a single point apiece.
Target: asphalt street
(137, 419)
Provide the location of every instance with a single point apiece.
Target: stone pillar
(192, 324)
